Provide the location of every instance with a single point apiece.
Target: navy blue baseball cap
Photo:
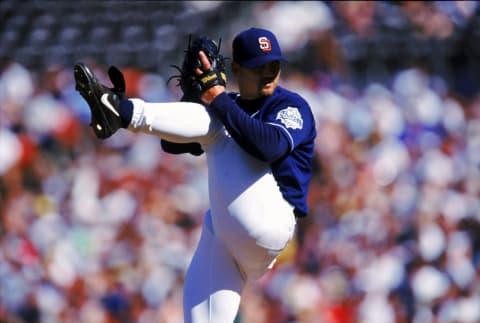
(255, 47)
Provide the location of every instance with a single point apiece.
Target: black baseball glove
(193, 85)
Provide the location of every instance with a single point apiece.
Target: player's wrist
(213, 92)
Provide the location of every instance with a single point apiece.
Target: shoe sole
(91, 90)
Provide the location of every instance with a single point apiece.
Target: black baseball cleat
(103, 102)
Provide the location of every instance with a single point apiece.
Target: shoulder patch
(290, 117)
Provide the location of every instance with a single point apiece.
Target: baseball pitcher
(259, 150)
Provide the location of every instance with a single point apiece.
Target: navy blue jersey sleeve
(264, 141)
(295, 119)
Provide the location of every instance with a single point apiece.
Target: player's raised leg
(179, 122)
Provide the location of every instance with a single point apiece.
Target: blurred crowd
(102, 231)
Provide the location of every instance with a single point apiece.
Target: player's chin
(267, 89)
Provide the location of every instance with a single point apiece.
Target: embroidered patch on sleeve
(291, 118)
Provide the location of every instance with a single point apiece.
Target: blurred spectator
(358, 15)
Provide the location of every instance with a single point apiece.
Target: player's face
(257, 82)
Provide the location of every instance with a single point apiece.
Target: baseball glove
(194, 85)
(102, 100)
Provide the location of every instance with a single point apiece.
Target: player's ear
(235, 68)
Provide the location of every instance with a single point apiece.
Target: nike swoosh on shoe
(107, 103)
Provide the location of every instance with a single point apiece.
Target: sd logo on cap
(255, 47)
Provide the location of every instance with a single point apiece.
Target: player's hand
(209, 95)
(201, 72)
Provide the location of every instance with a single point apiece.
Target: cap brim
(262, 60)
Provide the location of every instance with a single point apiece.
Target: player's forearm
(262, 140)
(179, 122)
